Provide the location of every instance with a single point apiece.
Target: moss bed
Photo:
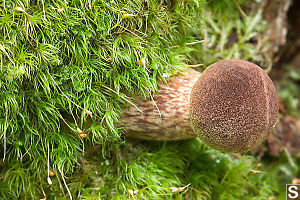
(76, 64)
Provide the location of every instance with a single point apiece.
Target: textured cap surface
(233, 106)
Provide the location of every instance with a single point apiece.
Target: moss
(94, 55)
(160, 170)
(229, 33)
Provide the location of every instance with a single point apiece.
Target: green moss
(158, 170)
(56, 65)
(228, 34)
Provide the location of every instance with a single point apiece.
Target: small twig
(240, 9)
(28, 147)
(65, 184)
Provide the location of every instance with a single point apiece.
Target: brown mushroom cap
(233, 106)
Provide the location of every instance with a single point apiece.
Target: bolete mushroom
(232, 106)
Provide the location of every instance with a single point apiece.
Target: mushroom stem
(166, 117)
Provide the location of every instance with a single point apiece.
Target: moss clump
(154, 170)
(56, 64)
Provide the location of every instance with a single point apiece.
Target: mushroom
(232, 106)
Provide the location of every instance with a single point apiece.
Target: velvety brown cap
(233, 106)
